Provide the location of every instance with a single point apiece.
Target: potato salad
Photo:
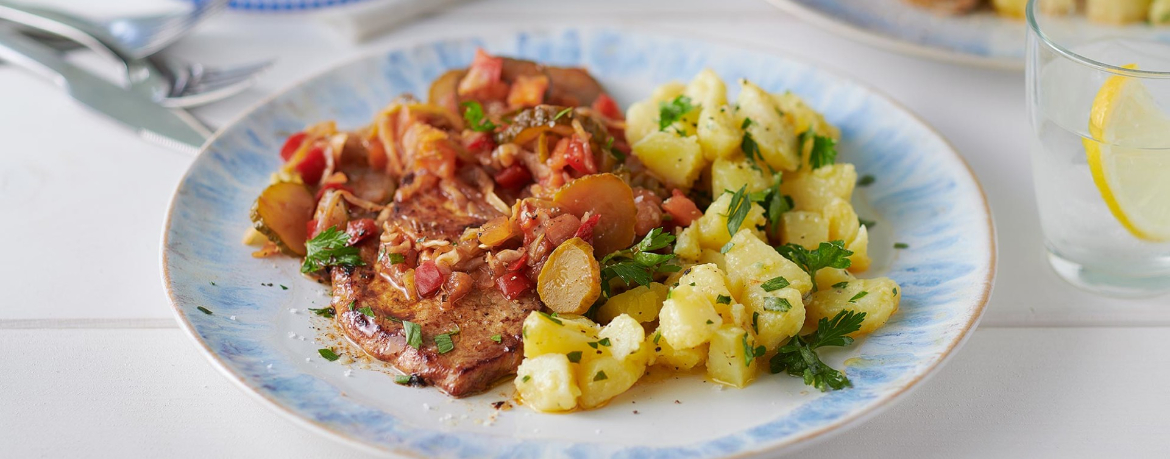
(755, 271)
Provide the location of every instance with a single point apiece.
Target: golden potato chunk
(546, 334)
(712, 226)
(719, 132)
(641, 302)
(813, 190)
(624, 336)
(676, 160)
(750, 260)
(732, 357)
(877, 298)
(807, 229)
(771, 131)
(668, 356)
(547, 383)
(604, 378)
(732, 173)
(687, 318)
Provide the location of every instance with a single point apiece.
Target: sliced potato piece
(772, 133)
(719, 132)
(676, 160)
(731, 173)
(687, 318)
(707, 89)
(546, 334)
(641, 302)
(712, 226)
(570, 281)
(807, 229)
(668, 356)
(752, 261)
(606, 377)
(729, 361)
(878, 298)
(625, 337)
(547, 383)
(813, 190)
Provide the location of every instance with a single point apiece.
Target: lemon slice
(1134, 183)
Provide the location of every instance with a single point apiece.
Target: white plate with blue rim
(258, 334)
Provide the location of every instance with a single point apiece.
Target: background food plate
(982, 38)
(261, 337)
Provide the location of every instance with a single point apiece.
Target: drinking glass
(1099, 105)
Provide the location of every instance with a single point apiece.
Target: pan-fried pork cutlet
(483, 324)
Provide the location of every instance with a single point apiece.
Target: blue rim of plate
(828, 14)
(665, 58)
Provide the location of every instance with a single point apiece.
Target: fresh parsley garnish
(827, 255)
(751, 150)
(282, 287)
(671, 112)
(525, 378)
(638, 264)
(395, 258)
(600, 376)
(841, 284)
(723, 299)
(824, 152)
(330, 248)
(366, 311)
(476, 119)
(552, 317)
(574, 356)
(737, 211)
(413, 334)
(328, 354)
(858, 296)
(323, 312)
(777, 203)
(657, 336)
(726, 248)
(204, 310)
(756, 322)
(444, 343)
(497, 338)
(562, 113)
(799, 357)
(775, 283)
(866, 223)
(775, 304)
(617, 154)
(403, 379)
(601, 342)
(901, 245)
(866, 180)
(750, 353)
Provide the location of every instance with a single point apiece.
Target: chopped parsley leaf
(413, 334)
(328, 354)
(600, 376)
(323, 312)
(777, 304)
(841, 284)
(901, 245)
(723, 299)
(673, 111)
(601, 342)
(574, 356)
(756, 322)
(866, 223)
(552, 318)
(497, 338)
(444, 343)
(858, 296)
(750, 353)
(282, 287)
(525, 378)
(638, 264)
(827, 255)
(476, 119)
(824, 152)
(866, 180)
(204, 310)
(726, 248)
(395, 258)
(366, 311)
(776, 283)
(737, 211)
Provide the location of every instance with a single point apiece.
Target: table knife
(171, 127)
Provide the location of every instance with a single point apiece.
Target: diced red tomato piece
(428, 278)
(575, 153)
(478, 142)
(483, 78)
(360, 229)
(312, 165)
(527, 91)
(681, 208)
(331, 186)
(605, 106)
(311, 229)
(514, 176)
(585, 231)
(520, 263)
(513, 284)
(292, 145)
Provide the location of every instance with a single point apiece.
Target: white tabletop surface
(94, 366)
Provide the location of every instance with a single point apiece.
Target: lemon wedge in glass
(1130, 160)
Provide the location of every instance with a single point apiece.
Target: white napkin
(365, 20)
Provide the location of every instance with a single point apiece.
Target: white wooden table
(94, 366)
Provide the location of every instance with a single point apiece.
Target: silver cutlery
(171, 127)
(170, 82)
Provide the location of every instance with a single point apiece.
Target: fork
(136, 37)
(170, 82)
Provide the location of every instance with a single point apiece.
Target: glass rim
(1034, 25)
